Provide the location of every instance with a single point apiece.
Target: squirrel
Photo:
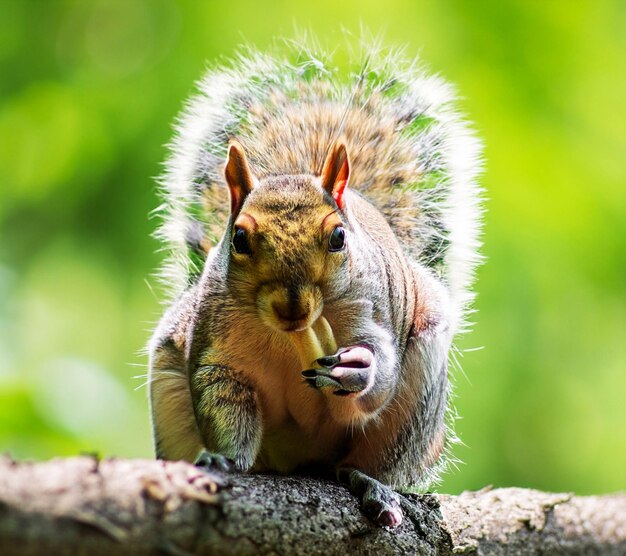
(323, 232)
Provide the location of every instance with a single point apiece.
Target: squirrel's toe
(214, 462)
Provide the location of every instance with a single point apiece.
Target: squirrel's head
(288, 238)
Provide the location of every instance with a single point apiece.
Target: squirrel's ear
(336, 172)
(238, 176)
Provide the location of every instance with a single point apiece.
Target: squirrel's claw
(313, 373)
(321, 381)
(214, 462)
(348, 371)
(353, 357)
(328, 361)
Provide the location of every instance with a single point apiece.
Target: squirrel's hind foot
(378, 501)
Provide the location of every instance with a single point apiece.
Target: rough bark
(85, 506)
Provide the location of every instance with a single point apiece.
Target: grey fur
(399, 287)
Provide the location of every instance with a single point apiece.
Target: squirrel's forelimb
(228, 414)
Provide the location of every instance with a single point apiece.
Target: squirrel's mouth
(296, 325)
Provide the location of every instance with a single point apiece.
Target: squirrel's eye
(240, 242)
(337, 239)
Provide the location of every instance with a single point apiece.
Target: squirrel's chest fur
(297, 429)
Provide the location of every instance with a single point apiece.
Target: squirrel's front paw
(349, 371)
(214, 462)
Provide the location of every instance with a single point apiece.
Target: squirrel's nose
(290, 312)
(289, 307)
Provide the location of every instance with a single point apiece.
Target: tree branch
(82, 505)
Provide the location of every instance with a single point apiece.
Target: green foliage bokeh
(88, 93)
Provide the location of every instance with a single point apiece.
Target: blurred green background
(88, 93)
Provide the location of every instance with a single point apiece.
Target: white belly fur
(297, 424)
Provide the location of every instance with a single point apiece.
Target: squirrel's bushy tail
(411, 154)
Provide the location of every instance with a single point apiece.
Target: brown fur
(299, 140)
(241, 361)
